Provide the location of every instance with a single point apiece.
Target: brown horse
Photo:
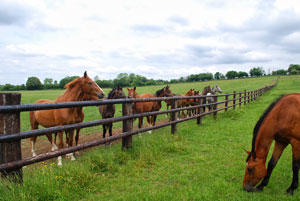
(75, 91)
(280, 122)
(78, 118)
(108, 111)
(182, 102)
(140, 107)
(204, 92)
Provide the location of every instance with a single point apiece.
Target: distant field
(204, 162)
(91, 113)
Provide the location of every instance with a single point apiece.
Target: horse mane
(159, 91)
(72, 83)
(110, 93)
(259, 123)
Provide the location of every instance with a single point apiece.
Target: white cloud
(157, 39)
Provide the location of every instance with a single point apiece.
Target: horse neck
(264, 140)
(71, 94)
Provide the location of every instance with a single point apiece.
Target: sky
(159, 39)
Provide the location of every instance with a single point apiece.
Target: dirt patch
(44, 146)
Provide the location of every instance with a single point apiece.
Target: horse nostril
(101, 95)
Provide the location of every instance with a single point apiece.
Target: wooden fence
(11, 161)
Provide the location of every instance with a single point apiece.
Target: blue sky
(160, 39)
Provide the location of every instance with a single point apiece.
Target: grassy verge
(204, 162)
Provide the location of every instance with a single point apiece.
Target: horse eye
(90, 83)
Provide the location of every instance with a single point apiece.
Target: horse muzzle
(248, 188)
(100, 95)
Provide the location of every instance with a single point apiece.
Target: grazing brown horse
(75, 91)
(281, 123)
(140, 107)
(108, 111)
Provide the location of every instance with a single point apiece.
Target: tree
(280, 72)
(294, 69)
(48, 83)
(105, 83)
(66, 80)
(218, 75)
(33, 83)
(243, 74)
(122, 80)
(257, 71)
(232, 74)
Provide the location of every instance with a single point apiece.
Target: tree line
(130, 80)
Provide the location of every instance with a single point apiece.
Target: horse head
(206, 90)
(164, 92)
(255, 171)
(217, 89)
(190, 92)
(87, 87)
(132, 93)
(116, 93)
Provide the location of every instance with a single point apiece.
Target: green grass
(204, 162)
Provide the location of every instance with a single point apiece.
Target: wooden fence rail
(11, 161)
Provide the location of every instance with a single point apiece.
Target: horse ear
(128, 89)
(248, 152)
(85, 74)
(134, 88)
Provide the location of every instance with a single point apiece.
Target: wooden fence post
(245, 97)
(215, 106)
(127, 125)
(248, 96)
(10, 123)
(199, 119)
(240, 99)
(174, 116)
(226, 103)
(233, 102)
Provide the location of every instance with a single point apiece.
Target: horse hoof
(77, 153)
(149, 132)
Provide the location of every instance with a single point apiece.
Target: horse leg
(296, 166)
(54, 147)
(141, 122)
(70, 143)
(33, 141)
(77, 136)
(34, 125)
(104, 130)
(77, 140)
(278, 149)
(60, 146)
(110, 131)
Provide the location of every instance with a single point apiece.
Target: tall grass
(204, 162)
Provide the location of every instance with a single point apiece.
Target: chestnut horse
(108, 111)
(76, 90)
(140, 107)
(206, 90)
(280, 122)
(182, 102)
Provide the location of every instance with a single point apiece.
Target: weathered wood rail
(11, 161)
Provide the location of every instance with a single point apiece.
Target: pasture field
(205, 162)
